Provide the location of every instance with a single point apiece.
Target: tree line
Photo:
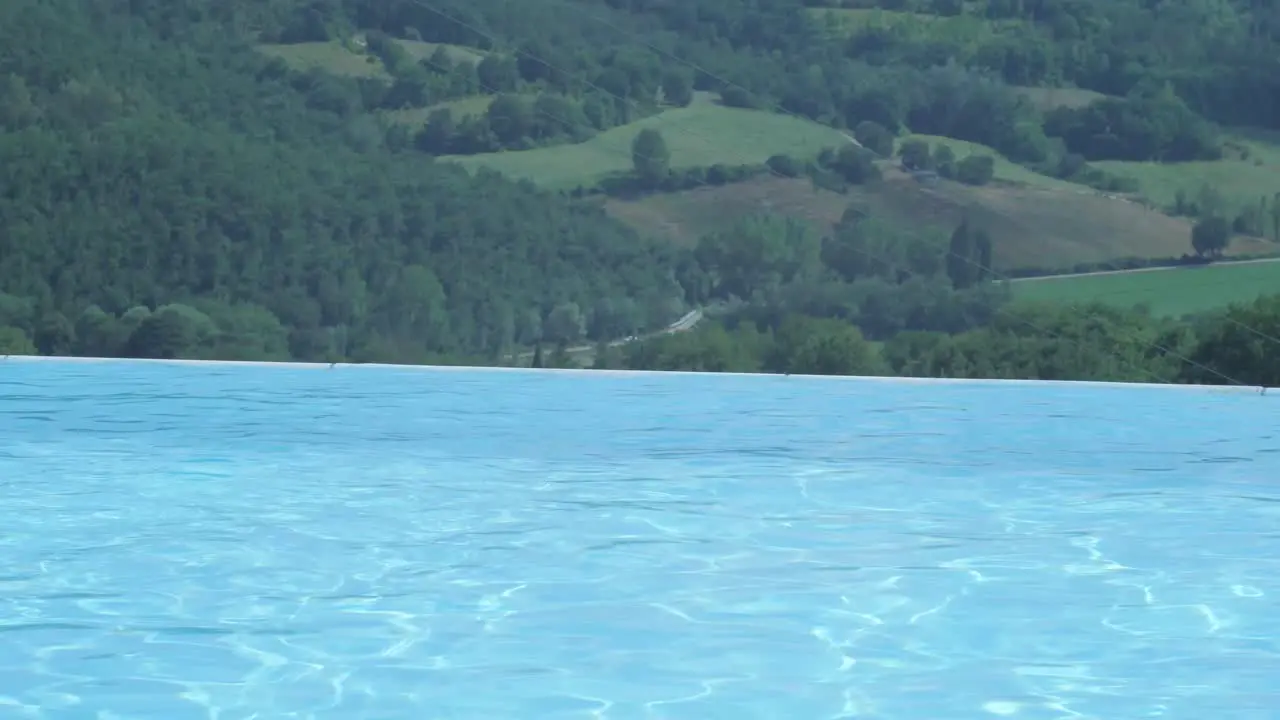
(1095, 342)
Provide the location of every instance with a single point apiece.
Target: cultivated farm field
(1030, 225)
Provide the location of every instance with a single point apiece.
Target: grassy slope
(332, 57)
(684, 217)
(1006, 170)
(700, 135)
(1173, 292)
(1047, 98)
(1238, 179)
(462, 107)
(350, 60)
(963, 28)
(424, 50)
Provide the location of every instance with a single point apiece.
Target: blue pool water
(252, 542)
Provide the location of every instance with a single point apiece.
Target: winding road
(686, 322)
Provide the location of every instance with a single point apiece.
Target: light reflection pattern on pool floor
(245, 542)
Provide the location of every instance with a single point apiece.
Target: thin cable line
(993, 273)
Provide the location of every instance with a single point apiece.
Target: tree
(856, 164)
(976, 170)
(565, 323)
(874, 137)
(510, 118)
(498, 73)
(13, 341)
(1275, 217)
(677, 88)
(1210, 236)
(842, 351)
(98, 334)
(607, 357)
(915, 155)
(985, 259)
(944, 160)
(171, 332)
(1234, 346)
(968, 257)
(650, 158)
(785, 165)
(436, 136)
(810, 346)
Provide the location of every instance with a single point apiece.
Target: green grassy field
(350, 59)
(462, 107)
(700, 135)
(1239, 178)
(1175, 292)
(422, 50)
(1006, 170)
(332, 57)
(1046, 98)
(963, 28)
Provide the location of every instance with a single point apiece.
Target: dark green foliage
(944, 161)
(758, 256)
(13, 341)
(874, 137)
(650, 158)
(975, 170)
(149, 163)
(916, 155)
(1221, 58)
(1096, 342)
(1158, 127)
(785, 165)
(968, 256)
(1234, 344)
(807, 346)
(857, 165)
(1211, 235)
(677, 88)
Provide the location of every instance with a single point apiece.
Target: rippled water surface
(252, 542)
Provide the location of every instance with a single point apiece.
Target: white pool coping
(1224, 389)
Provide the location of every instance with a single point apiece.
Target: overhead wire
(991, 271)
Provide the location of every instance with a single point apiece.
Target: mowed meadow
(1169, 292)
(702, 134)
(1249, 171)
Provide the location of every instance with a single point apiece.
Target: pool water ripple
(208, 542)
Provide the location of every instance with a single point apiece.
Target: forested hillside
(473, 180)
(149, 159)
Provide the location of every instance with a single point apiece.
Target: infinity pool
(235, 542)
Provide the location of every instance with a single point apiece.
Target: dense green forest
(167, 189)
